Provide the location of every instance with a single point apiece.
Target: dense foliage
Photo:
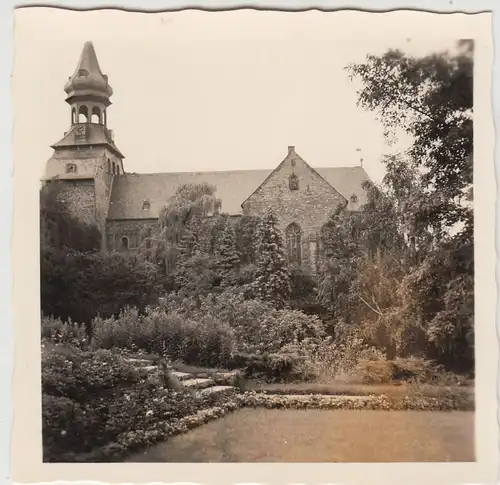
(80, 286)
(402, 271)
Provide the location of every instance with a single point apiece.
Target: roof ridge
(236, 170)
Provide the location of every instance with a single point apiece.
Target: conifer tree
(272, 281)
(228, 259)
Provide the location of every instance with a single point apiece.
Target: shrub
(80, 286)
(278, 367)
(203, 342)
(413, 369)
(78, 375)
(59, 332)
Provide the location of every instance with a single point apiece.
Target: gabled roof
(130, 191)
(95, 135)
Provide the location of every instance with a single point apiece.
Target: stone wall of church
(78, 197)
(133, 230)
(103, 185)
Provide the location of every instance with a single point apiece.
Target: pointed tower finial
(88, 79)
(88, 90)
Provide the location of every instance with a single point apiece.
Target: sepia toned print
(317, 305)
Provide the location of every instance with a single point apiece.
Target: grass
(258, 435)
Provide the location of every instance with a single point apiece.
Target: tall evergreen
(272, 281)
(228, 259)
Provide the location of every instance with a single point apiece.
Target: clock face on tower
(80, 130)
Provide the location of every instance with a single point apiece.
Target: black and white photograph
(255, 235)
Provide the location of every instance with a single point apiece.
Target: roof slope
(130, 191)
(95, 135)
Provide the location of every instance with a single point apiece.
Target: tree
(430, 98)
(424, 206)
(190, 201)
(272, 282)
(338, 265)
(227, 258)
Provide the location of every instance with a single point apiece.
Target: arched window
(124, 242)
(293, 236)
(73, 116)
(109, 165)
(354, 198)
(146, 205)
(148, 236)
(70, 168)
(96, 115)
(114, 167)
(83, 114)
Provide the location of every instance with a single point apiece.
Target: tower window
(294, 243)
(124, 241)
(114, 168)
(70, 168)
(83, 114)
(146, 205)
(109, 165)
(96, 115)
(293, 182)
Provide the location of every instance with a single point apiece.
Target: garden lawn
(259, 435)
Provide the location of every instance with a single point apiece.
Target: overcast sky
(198, 91)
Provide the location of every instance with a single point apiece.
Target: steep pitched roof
(130, 191)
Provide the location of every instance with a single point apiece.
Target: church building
(98, 189)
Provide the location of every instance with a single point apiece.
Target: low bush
(412, 369)
(257, 326)
(278, 367)
(203, 342)
(81, 375)
(67, 333)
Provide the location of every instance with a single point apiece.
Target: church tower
(86, 160)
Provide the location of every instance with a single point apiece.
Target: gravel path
(258, 435)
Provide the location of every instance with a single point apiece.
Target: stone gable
(301, 199)
(309, 204)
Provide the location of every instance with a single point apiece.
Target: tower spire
(88, 90)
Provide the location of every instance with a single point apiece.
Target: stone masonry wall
(103, 186)
(309, 206)
(132, 229)
(79, 198)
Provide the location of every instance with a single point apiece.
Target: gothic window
(145, 205)
(148, 235)
(70, 168)
(293, 182)
(294, 243)
(124, 242)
